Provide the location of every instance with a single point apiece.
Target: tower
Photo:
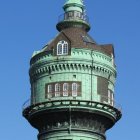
(72, 82)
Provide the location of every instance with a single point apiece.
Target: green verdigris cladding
(86, 64)
(72, 136)
(72, 96)
(73, 5)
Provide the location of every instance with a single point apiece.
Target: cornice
(61, 68)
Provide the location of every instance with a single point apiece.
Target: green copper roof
(74, 1)
(74, 16)
(73, 5)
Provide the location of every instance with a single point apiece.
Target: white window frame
(49, 88)
(49, 91)
(70, 14)
(65, 89)
(62, 48)
(110, 97)
(74, 89)
(59, 49)
(57, 90)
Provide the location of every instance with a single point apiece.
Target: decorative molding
(56, 68)
(81, 124)
(113, 112)
(75, 51)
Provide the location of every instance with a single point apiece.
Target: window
(49, 91)
(49, 88)
(78, 14)
(65, 89)
(74, 89)
(110, 98)
(70, 14)
(57, 90)
(65, 49)
(62, 48)
(59, 49)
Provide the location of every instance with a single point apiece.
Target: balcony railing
(73, 15)
(76, 104)
(26, 104)
(103, 100)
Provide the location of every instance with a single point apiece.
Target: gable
(53, 44)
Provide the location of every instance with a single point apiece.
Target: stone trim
(54, 68)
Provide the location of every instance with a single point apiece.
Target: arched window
(62, 48)
(57, 90)
(74, 89)
(65, 89)
(49, 91)
(65, 48)
(59, 49)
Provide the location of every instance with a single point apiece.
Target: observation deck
(73, 19)
(109, 109)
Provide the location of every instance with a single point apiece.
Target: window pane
(57, 94)
(57, 90)
(74, 89)
(49, 95)
(70, 14)
(57, 87)
(65, 48)
(49, 91)
(65, 89)
(59, 49)
(65, 93)
(49, 88)
(110, 97)
(62, 48)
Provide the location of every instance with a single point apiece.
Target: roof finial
(74, 5)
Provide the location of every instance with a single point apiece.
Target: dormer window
(62, 48)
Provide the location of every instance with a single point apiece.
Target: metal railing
(76, 104)
(65, 16)
(26, 104)
(103, 100)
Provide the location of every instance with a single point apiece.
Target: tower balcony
(109, 109)
(73, 15)
(73, 19)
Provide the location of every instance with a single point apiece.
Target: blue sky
(26, 26)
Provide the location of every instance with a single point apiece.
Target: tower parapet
(72, 85)
(74, 16)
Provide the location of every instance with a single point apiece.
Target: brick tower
(72, 82)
